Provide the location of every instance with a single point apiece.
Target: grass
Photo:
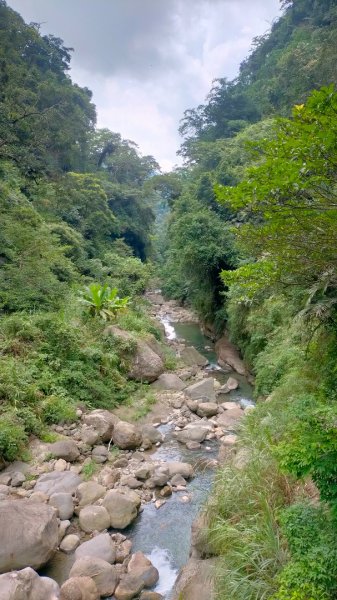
(89, 469)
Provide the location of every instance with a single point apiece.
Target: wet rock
(100, 546)
(65, 449)
(29, 534)
(141, 566)
(230, 385)
(159, 478)
(229, 405)
(27, 585)
(129, 587)
(100, 454)
(180, 468)
(126, 436)
(192, 357)
(178, 480)
(88, 492)
(104, 575)
(55, 482)
(64, 504)
(207, 409)
(122, 507)
(79, 588)
(202, 389)
(169, 381)
(193, 433)
(166, 491)
(195, 581)
(228, 355)
(193, 445)
(146, 595)
(94, 518)
(152, 434)
(101, 421)
(144, 472)
(70, 543)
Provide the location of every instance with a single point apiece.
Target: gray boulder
(88, 492)
(27, 585)
(146, 365)
(79, 588)
(202, 389)
(207, 409)
(126, 436)
(101, 421)
(64, 504)
(122, 507)
(58, 482)
(29, 535)
(192, 357)
(94, 518)
(104, 575)
(231, 384)
(180, 468)
(65, 449)
(193, 433)
(100, 546)
(169, 381)
(152, 434)
(141, 566)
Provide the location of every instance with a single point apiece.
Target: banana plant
(102, 301)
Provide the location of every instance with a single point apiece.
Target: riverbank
(126, 492)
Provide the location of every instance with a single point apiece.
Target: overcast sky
(147, 61)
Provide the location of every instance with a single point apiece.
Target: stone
(146, 595)
(230, 385)
(159, 477)
(151, 433)
(139, 565)
(230, 417)
(94, 518)
(195, 580)
(88, 492)
(192, 405)
(122, 507)
(229, 440)
(60, 465)
(27, 585)
(202, 389)
(123, 550)
(64, 525)
(178, 480)
(228, 355)
(193, 433)
(126, 436)
(4, 490)
(64, 504)
(129, 587)
(207, 409)
(65, 449)
(100, 454)
(104, 575)
(79, 588)
(131, 482)
(144, 472)
(166, 491)
(193, 445)
(55, 482)
(180, 468)
(70, 543)
(100, 546)
(192, 357)
(18, 479)
(169, 381)
(146, 364)
(101, 421)
(89, 435)
(29, 534)
(39, 497)
(229, 405)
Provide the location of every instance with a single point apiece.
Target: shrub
(56, 409)
(13, 437)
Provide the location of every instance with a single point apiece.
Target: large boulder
(88, 492)
(122, 507)
(101, 421)
(139, 565)
(100, 546)
(58, 482)
(230, 385)
(104, 575)
(79, 588)
(228, 355)
(229, 418)
(193, 433)
(65, 449)
(29, 534)
(129, 587)
(169, 381)
(202, 389)
(207, 409)
(63, 502)
(94, 518)
(195, 581)
(152, 434)
(27, 585)
(126, 436)
(192, 357)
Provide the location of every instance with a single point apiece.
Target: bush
(13, 437)
(56, 409)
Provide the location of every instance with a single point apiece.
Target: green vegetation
(250, 243)
(76, 228)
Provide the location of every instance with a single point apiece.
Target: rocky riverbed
(69, 518)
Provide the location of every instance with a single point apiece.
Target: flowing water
(164, 534)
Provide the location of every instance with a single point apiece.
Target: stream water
(164, 534)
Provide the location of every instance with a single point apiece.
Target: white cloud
(149, 60)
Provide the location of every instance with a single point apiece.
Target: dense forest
(245, 234)
(251, 244)
(76, 224)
